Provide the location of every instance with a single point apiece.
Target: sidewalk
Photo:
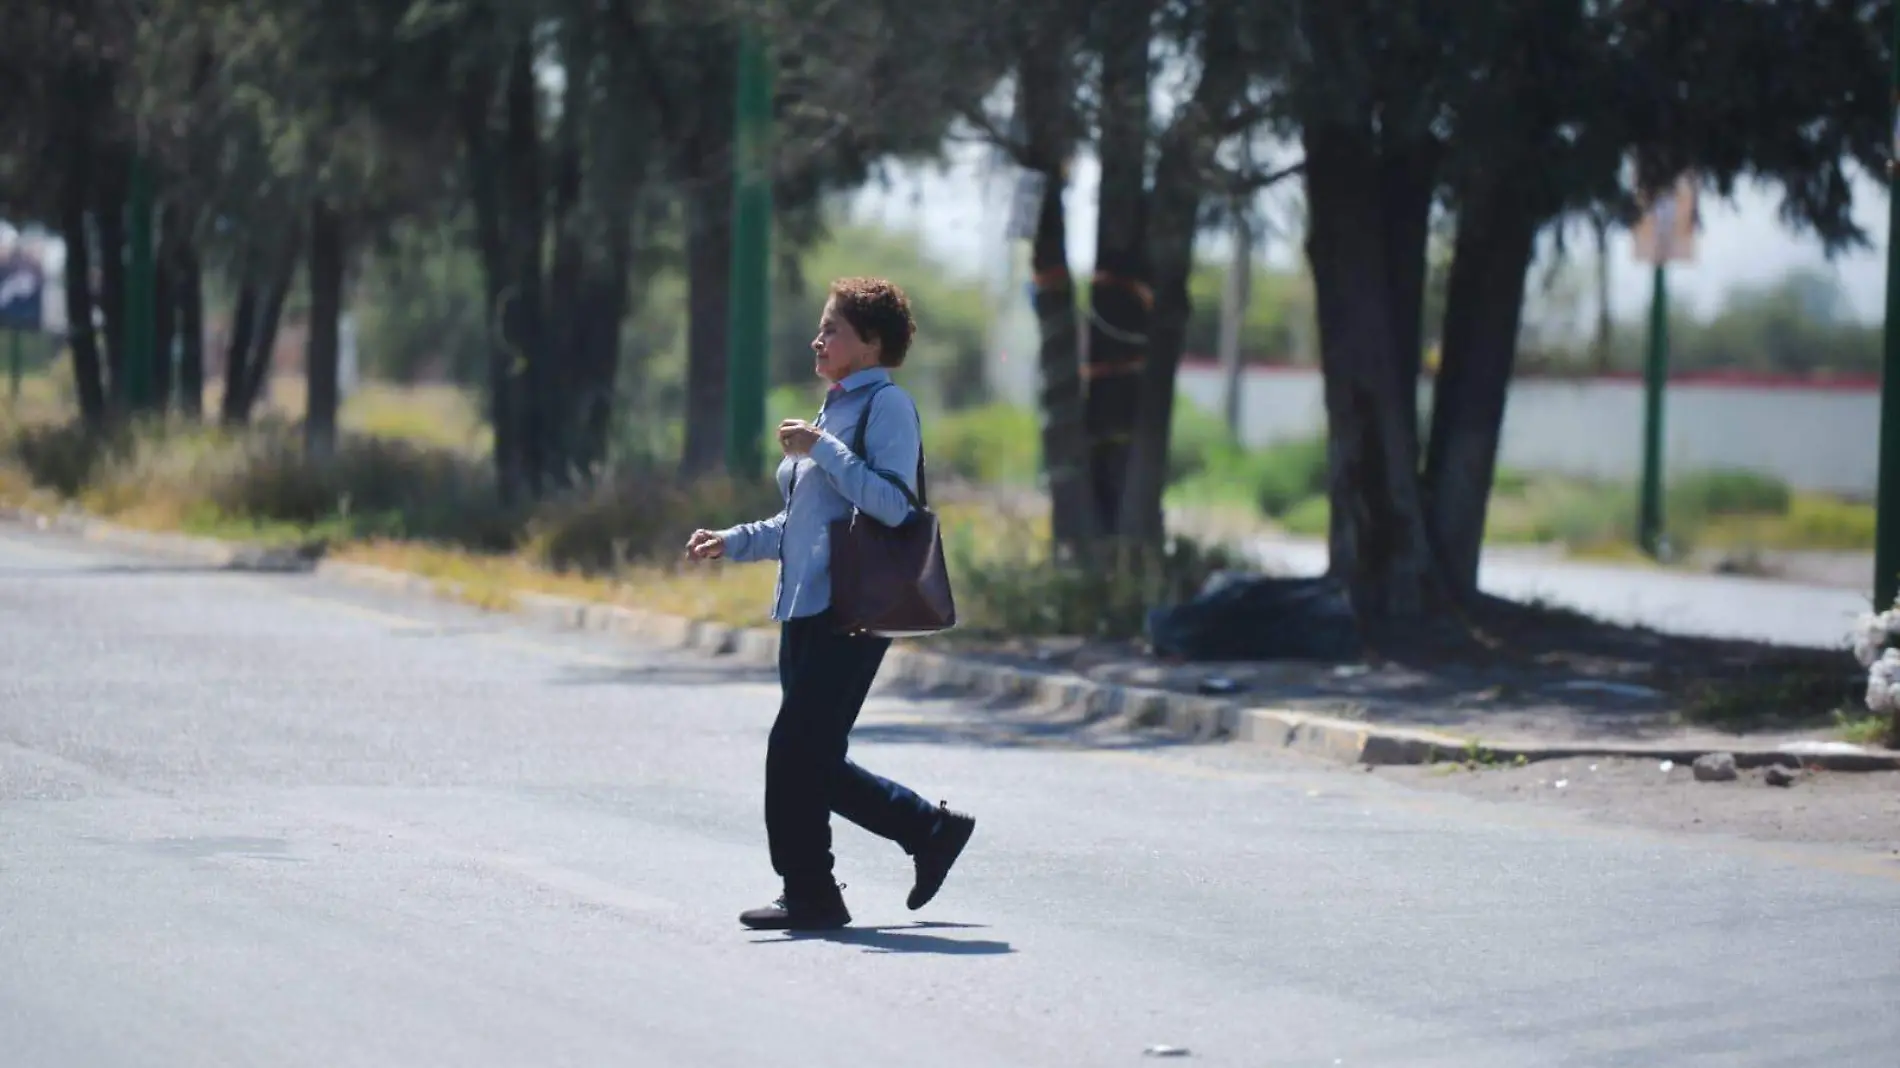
(1674, 602)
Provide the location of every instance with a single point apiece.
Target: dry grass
(418, 496)
(738, 595)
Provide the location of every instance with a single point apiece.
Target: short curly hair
(879, 311)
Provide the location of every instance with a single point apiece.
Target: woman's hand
(797, 437)
(705, 545)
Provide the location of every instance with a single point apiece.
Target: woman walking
(824, 673)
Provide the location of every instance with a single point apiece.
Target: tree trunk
(1119, 298)
(1064, 445)
(263, 355)
(1483, 307)
(523, 325)
(490, 226)
(1235, 297)
(604, 308)
(1174, 207)
(237, 354)
(191, 331)
(165, 312)
(708, 302)
(109, 224)
(1045, 99)
(321, 350)
(1378, 542)
(566, 319)
(1600, 228)
(1407, 180)
(88, 382)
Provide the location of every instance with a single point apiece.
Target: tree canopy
(558, 158)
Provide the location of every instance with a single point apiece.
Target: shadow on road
(710, 674)
(906, 938)
(1005, 735)
(998, 722)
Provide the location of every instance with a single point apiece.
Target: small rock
(1561, 783)
(1715, 767)
(1668, 766)
(1777, 775)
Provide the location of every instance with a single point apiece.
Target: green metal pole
(1655, 379)
(751, 258)
(140, 290)
(1887, 507)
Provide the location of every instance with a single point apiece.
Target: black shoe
(819, 911)
(936, 856)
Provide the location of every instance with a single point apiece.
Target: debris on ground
(1779, 775)
(1855, 811)
(1239, 616)
(1219, 686)
(1715, 767)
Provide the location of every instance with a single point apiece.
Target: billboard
(1666, 233)
(22, 288)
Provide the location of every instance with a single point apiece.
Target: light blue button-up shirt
(827, 484)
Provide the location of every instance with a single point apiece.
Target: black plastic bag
(1239, 616)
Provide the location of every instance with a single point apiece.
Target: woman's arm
(893, 442)
(751, 542)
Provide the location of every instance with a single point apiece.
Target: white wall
(1815, 437)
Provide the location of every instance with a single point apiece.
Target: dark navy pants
(824, 677)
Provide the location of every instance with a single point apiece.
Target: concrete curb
(211, 552)
(1186, 716)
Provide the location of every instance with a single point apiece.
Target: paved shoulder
(1715, 606)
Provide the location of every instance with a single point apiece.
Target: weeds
(1779, 694)
(1009, 582)
(1867, 728)
(1000, 445)
(432, 510)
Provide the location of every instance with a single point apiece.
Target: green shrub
(62, 457)
(1022, 591)
(1582, 513)
(1197, 441)
(1288, 473)
(1829, 524)
(639, 517)
(996, 444)
(1727, 492)
(1311, 517)
(1510, 482)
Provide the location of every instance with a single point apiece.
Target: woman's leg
(825, 677)
(886, 808)
(934, 837)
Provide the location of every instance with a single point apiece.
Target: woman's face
(840, 352)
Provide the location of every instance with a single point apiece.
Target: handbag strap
(919, 500)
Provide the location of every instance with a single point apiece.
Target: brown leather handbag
(891, 582)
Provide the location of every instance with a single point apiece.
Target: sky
(961, 212)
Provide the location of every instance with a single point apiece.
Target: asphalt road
(1718, 606)
(260, 820)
